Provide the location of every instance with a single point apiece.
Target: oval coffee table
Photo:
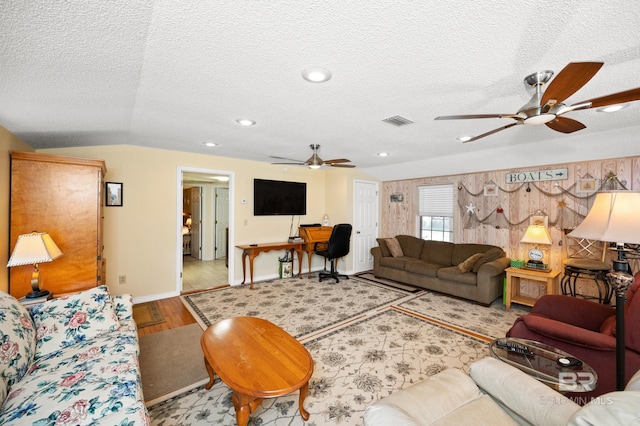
(257, 360)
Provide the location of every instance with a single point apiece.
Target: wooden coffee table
(257, 360)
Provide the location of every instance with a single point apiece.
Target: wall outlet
(122, 279)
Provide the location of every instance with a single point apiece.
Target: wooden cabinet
(64, 197)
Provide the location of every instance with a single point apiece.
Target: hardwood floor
(175, 315)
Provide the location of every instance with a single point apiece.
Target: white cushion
(613, 408)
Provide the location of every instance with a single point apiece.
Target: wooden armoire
(64, 197)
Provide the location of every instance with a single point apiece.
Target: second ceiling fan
(547, 107)
(315, 162)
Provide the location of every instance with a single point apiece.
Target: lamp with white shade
(31, 249)
(614, 218)
(536, 234)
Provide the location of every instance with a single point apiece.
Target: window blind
(436, 200)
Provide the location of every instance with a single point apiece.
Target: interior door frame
(232, 179)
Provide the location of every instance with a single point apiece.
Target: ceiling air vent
(397, 120)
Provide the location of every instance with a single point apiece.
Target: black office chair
(337, 247)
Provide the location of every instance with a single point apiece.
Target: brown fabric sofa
(443, 266)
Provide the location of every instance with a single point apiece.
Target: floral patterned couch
(70, 361)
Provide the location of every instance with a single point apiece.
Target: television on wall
(275, 197)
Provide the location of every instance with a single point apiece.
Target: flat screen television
(276, 197)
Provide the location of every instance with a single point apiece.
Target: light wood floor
(175, 315)
(203, 274)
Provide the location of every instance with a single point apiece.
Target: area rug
(299, 306)
(171, 362)
(491, 322)
(354, 366)
(146, 314)
(402, 286)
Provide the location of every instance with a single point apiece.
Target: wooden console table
(253, 250)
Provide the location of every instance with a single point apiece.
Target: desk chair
(337, 247)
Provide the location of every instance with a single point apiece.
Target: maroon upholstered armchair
(586, 330)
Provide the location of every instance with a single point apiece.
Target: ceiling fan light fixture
(539, 119)
(314, 166)
(464, 138)
(210, 144)
(612, 108)
(383, 154)
(316, 75)
(245, 122)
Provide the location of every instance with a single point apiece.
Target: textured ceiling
(175, 74)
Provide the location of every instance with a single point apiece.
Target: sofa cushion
(17, 342)
(395, 262)
(423, 268)
(438, 252)
(462, 251)
(382, 243)
(613, 408)
(83, 384)
(411, 246)
(65, 321)
(488, 256)
(467, 265)
(393, 246)
(452, 273)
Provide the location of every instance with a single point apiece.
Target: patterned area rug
(367, 340)
(354, 366)
(299, 306)
(491, 322)
(146, 314)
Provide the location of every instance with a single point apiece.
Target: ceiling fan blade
(569, 80)
(616, 98)
(337, 160)
(499, 129)
(465, 117)
(342, 165)
(285, 158)
(565, 125)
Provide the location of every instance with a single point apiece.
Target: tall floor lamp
(614, 217)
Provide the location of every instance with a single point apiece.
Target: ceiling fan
(547, 107)
(315, 162)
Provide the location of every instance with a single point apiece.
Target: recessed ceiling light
(464, 138)
(245, 122)
(316, 75)
(209, 144)
(383, 154)
(612, 108)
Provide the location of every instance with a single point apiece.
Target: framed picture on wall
(586, 186)
(113, 194)
(491, 190)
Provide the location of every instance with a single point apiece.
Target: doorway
(365, 223)
(205, 229)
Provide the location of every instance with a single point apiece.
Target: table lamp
(536, 234)
(31, 249)
(614, 218)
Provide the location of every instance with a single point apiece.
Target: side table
(514, 275)
(543, 365)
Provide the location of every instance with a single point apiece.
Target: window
(436, 212)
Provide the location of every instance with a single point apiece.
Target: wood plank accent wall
(402, 217)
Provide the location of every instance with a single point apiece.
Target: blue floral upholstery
(91, 376)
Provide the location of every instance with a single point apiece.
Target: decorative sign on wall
(537, 176)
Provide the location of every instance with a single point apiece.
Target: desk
(549, 277)
(254, 250)
(311, 236)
